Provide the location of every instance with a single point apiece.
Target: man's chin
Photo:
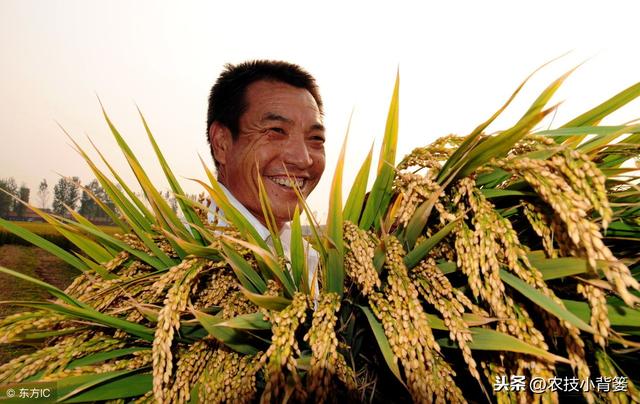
(283, 201)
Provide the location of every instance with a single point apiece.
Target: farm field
(36, 263)
(44, 230)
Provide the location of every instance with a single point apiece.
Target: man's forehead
(277, 98)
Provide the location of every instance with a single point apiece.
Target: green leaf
(153, 261)
(497, 193)
(267, 212)
(498, 146)
(383, 343)
(543, 301)
(554, 268)
(299, 268)
(234, 339)
(44, 244)
(103, 386)
(104, 356)
(163, 212)
(190, 215)
(421, 250)
(619, 315)
(380, 194)
(248, 277)
(485, 339)
(131, 213)
(420, 217)
(277, 303)
(457, 159)
(355, 200)
(253, 321)
(595, 115)
(92, 315)
(271, 264)
(231, 214)
(334, 268)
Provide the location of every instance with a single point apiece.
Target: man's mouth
(288, 182)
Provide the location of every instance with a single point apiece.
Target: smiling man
(265, 121)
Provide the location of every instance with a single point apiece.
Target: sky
(458, 62)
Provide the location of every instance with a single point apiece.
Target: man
(265, 121)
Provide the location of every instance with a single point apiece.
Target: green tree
(65, 192)
(23, 194)
(88, 206)
(6, 201)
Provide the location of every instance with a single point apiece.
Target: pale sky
(458, 60)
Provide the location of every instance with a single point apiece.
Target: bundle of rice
(475, 267)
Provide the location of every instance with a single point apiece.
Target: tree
(65, 193)
(6, 201)
(23, 194)
(43, 193)
(171, 200)
(88, 206)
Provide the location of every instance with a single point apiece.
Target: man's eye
(318, 139)
(277, 130)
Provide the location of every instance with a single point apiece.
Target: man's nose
(296, 153)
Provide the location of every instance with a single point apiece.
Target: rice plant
(475, 262)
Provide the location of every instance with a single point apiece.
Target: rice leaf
(231, 337)
(253, 321)
(231, 214)
(102, 386)
(249, 278)
(190, 215)
(130, 211)
(104, 356)
(163, 213)
(420, 251)
(271, 264)
(473, 138)
(543, 301)
(355, 200)
(596, 114)
(485, 339)
(383, 343)
(380, 194)
(277, 303)
(334, 268)
(153, 261)
(267, 212)
(619, 315)
(298, 254)
(87, 313)
(44, 244)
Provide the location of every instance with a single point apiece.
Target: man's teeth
(288, 182)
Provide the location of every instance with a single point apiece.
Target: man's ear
(220, 139)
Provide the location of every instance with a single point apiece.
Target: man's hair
(227, 98)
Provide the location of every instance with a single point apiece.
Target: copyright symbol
(537, 385)
(11, 393)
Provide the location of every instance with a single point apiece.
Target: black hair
(227, 98)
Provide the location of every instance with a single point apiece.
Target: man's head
(265, 120)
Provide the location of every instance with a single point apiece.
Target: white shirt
(285, 236)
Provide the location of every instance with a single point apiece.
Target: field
(44, 230)
(34, 262)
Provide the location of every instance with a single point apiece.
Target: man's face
(280, 133)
